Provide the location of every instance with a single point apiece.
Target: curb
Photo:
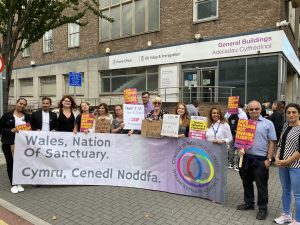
(22, 213)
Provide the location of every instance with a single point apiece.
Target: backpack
(233, 122)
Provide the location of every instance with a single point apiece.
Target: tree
(23, 22)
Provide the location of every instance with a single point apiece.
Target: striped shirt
(289, 143)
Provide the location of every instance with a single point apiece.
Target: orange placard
(233, 104)
(26, 126)
(130, 96)
(87, 121)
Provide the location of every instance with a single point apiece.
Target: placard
(133, 116)
(245, 133)
(102, 125)
(151, 129)
(130, 96)
(198, 127)
(87, 121)
(170, 125)
(26, 126)
(233, 104)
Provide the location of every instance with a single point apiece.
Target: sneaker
(283, 218)
(262, 214)
(294, 222)
(230, 166)
(236, 168)
(20, 188)
(14, 189)
(244, 207)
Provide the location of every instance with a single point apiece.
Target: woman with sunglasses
(157, 113)
(288, 160)
(218, 130)
(184, 122)
(9, 123)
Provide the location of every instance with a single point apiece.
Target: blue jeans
(289, 178)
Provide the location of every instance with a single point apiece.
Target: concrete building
(180, 49)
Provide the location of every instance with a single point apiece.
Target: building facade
(180, 49)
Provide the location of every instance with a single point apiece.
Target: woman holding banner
(218, 130)
(288, 160)
(102, 122)
(66, 117)
(118, 123)
(184, 121)
(84, 112)
(157, 113)
(9, 124)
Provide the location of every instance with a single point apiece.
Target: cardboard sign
(233, 104)
(130, 96)
(170, 125)
(102, 125)
(245, 133)
(133, 116)
(151, 129)
(26, 126)
(198, 127)
(87, 121)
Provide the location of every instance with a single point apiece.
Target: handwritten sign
(26, 126)
(198, 127)
(102, 125)
(233, 104)
(130, 96)
(170, 125)
(245, 133)
(133, 116)
(151, 129)
(87, 120)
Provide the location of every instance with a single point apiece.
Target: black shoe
(262, 214)
(244, 207)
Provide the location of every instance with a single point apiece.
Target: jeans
(289, 178)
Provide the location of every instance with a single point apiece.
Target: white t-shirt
(19, 120)
(45, 121)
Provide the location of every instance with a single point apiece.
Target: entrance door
(207, 81)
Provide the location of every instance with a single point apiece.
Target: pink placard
(245, 133)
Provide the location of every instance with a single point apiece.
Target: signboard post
(1, 84)
(75, 80)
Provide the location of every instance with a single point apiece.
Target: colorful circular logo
(195, 167)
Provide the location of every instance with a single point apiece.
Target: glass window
(232, 74)
(205, 10)
(73, 35)
(70, 90)
(131, 17)
(12, 88)
(48, 41)
(262, 77)
(118, 80)
(48, 86)
(26, 87)
(26, 51)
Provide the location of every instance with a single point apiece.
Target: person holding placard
(256, 162)
(66, 117)
(102, 122)
(184, 121)
(218, 130)
(288, 160)
(10, 123)
(157, 113)
(84, 121)
(118, 122)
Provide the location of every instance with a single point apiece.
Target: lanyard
(216, 131)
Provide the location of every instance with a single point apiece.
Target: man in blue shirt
(256, 162)
(148, 107)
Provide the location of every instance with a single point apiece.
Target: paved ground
(66, 205)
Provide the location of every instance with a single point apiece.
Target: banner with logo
(182, 166)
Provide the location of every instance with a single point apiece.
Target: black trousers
(9, 160)
(255, 170)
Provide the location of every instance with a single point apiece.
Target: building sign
(75, 79)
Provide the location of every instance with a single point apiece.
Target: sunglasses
(254, 109)
(156, 103)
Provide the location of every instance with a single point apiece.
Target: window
(48, 86)
(70, 90)
(131, 17)
(205, 10)
(115, 81)
(12, 88)
(26, 87)
(26, 51)
(73, 35)
(48, 41)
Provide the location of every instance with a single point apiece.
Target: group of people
(221, 130)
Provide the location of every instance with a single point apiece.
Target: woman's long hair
(73, 104)
(185, 116)
(209, 118)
